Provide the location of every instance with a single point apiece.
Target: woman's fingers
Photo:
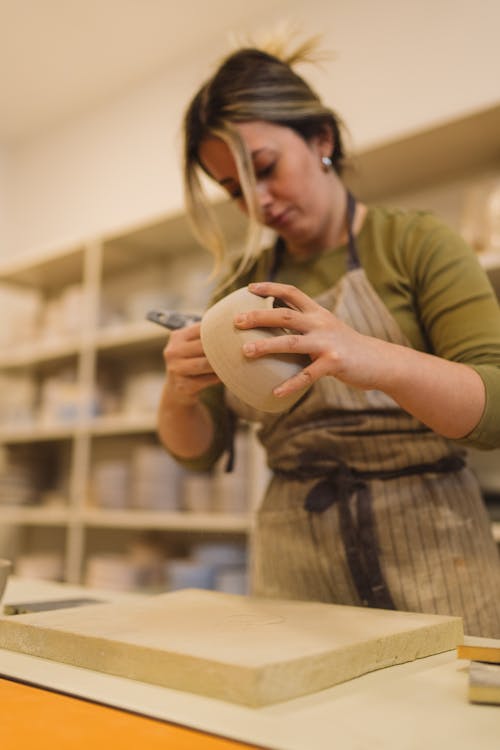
(301, 313)
(286, 292)
(188, 370)
(282, 317)
(185, 345)
(185, 342)
(302, 379)
(194, 384)
(285, 344)
(192, 366)
(189, 333)
(185, 360)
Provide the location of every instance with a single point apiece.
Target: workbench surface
(406, 707)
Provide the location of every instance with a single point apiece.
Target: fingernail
(249, 348)
(255, 286)
(240, 318)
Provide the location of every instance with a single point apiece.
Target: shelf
(172, 521)
(34, 353)
(34, 434)
(125, 338)
(130, 336)
(36, 516)
(439, 154)
(167, 236)
(119, 425)
(46, 270)
(122, 425)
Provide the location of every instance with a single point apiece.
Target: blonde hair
(249, 84)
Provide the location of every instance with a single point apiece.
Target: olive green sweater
(431, 282)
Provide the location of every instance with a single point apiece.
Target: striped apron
(366, 505)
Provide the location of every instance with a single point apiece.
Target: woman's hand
(185, 426)
(188, 370)
(447, 396)
(334, 347)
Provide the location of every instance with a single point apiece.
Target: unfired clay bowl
(251, 380)
(5, 568)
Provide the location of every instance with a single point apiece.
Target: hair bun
(281, 43)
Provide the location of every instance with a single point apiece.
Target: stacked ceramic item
(231, 487)
(21, 309)
(129, 293)
(111, 571)
(197, 492)
(232, 580)
(46, 566)
(186, 573)
(141, 568)
(18, 396)
(142, 392)
(211, 565)
(480, 218)
(155, 480)
(229, 563)
(18, 480)
(111, 483)
(62, 399)
(17, 487)
(62, 315)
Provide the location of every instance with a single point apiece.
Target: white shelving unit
(104, 340)
(118, 346)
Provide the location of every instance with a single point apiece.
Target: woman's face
(294, 192)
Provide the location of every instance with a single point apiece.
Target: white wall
(4, 241)
(399, 66)
(113, 167)
(402, 65)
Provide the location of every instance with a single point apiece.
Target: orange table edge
(32, 717)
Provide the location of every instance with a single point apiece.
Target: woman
(370, 502)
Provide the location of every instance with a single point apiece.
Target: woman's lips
(280, 219)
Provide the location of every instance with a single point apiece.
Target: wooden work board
(239, 649)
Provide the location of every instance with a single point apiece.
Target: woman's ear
(323, 141)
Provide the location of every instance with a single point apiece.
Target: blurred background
(92, 234)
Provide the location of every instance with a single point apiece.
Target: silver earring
(326, 162)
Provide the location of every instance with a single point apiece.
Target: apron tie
(340, 485)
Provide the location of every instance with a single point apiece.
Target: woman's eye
(261, 174)
(265, 171)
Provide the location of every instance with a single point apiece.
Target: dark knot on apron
(349, 489)
(342, 481)
(337, 487)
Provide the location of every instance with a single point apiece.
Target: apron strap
(353, 261)
(279, 251)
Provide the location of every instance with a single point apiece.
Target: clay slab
(235, 648)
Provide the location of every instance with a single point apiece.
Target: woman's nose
(264, 197)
